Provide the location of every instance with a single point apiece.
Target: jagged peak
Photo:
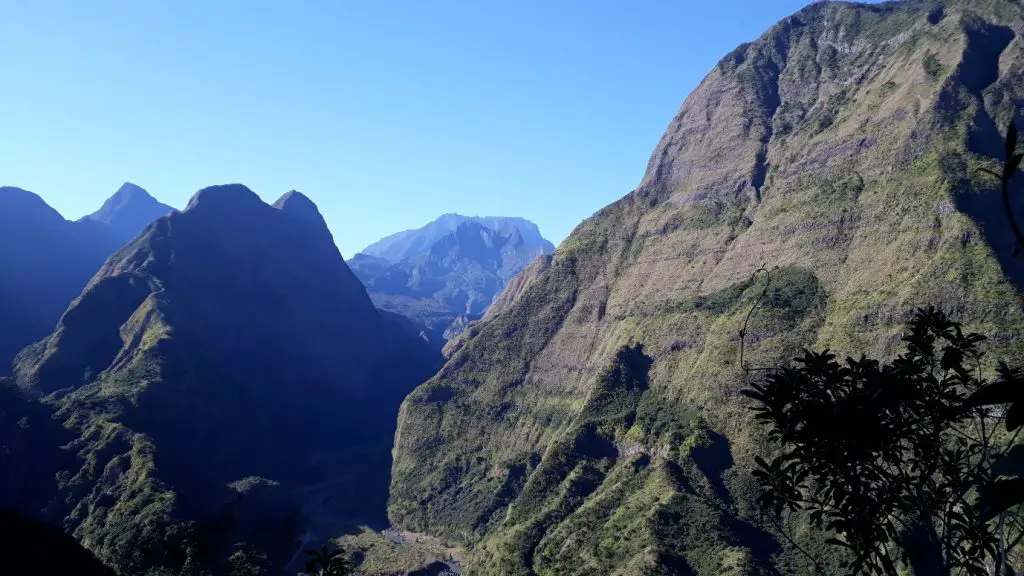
(130, 191)
(127, 194)
(223, 197)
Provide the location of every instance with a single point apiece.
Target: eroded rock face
(841, 150)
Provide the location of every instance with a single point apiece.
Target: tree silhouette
(326, 562)
(888, 457)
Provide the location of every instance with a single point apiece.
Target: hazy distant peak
(409, 243)
(129, 191)
(125, 196)
(129, 210)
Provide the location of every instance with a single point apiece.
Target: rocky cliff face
(450, 282)
(843, 150)
(216, 364)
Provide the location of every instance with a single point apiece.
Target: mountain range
(215, 390)
(592, 423)
(47, 260)
(446, 274)
(217, 364)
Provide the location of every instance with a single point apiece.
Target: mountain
(45, 261)
(229, 384)
(412, 243)
(844, 150)
(442, 279)
(129, 210)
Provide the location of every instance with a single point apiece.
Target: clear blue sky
(386, 113)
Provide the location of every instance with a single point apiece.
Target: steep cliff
(843, 150)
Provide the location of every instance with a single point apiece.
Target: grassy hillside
(843, 149)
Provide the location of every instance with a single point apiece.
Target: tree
(888, 457)
(325, 562)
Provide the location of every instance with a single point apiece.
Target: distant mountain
(223, 373)
(45, 261)
(412, 243)
(452, 280)
(129, 210)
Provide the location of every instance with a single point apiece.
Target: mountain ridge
(46, 263)
(221, 360)
(843, 151)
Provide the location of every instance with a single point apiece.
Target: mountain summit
(129, 210)
(412, 243)
(228, 345)
(448, 272)
(846, 149)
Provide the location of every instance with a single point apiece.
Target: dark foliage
(886, 456)
(326, 562)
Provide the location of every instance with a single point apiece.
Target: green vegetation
(188, 403)
(932, 66)
(518, 450)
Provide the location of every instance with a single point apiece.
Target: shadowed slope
(45, 261)
(228, 341)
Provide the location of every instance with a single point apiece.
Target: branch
(746, 321)
(1004, 178)
(782, 531)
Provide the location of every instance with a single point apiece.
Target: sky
(386, 113)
